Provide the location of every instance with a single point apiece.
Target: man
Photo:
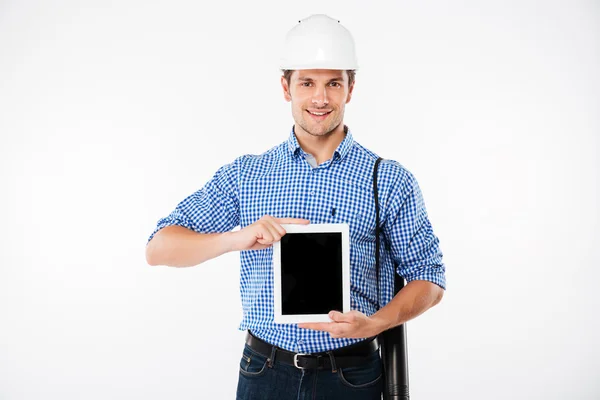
(320, 174)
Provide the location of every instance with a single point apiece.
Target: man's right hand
(263, 233)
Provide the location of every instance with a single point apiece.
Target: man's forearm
(414, 299)
(176, 246)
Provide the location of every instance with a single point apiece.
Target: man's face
(318, 91)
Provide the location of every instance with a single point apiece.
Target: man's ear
(350, 89)
(286, 89)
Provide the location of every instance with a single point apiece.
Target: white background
(113, 112)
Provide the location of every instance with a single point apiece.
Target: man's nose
(320, 97)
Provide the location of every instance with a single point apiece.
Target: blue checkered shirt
(285, 182)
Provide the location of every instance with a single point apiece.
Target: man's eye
(310, 83)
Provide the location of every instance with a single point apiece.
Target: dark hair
(287, 74)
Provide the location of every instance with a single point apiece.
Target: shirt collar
(342, 149)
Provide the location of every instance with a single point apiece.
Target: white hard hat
(318, 42)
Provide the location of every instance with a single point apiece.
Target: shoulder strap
(393, 341)
(376, 229)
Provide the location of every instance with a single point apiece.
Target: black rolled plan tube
(395, 358)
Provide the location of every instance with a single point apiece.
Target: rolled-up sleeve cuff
(169, 221)
(435, 274)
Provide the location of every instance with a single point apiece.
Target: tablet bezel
(342, 228)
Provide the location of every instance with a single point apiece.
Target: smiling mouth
(319, 116)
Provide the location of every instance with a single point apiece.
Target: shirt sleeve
(413, 245)
(212, 209)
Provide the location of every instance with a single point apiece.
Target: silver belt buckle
(296, 360)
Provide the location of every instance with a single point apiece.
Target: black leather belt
(348, 356)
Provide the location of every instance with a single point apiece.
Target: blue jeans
(258, 381)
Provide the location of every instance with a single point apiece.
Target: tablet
(311, 272)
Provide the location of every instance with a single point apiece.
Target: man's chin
(317, 130)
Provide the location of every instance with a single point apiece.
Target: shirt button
(312, 193)
(300, 341)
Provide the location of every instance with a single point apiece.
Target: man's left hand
(352, 324)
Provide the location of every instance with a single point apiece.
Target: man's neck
(321, 147)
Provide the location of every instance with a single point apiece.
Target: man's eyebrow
(307, 79)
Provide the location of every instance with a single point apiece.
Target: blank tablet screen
(311, 273)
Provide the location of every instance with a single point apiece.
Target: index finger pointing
(319, 326)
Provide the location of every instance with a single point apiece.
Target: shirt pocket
(355, 206)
